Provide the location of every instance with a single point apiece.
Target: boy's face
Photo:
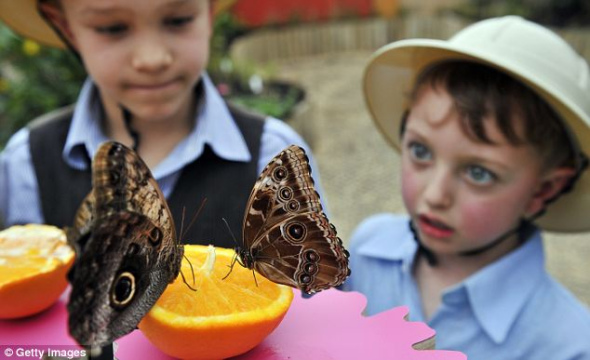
(144, 54)
(463, 194)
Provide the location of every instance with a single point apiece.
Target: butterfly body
(126, 246)
(287, 236)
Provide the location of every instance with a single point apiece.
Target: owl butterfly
(286, 235)
(126, 248)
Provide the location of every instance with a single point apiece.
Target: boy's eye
(419, 152)
(178, 21)
(480, 175)
(115, 29)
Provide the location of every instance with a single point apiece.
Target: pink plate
(328, 326)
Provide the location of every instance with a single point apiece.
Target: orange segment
(223, 318)
(34, 261)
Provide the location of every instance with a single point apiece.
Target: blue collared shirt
(510, 309)
(19, 193)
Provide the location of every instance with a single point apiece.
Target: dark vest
(226, 185)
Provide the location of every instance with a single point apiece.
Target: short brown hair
(480, 91)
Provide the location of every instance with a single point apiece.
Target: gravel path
(358, 169)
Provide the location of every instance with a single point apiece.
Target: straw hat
(528, 52)
(22, 17)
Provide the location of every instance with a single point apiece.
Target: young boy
(148, 57)
(491, 127)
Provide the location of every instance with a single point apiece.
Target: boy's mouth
(434, 228)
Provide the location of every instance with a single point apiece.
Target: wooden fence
(277, 44)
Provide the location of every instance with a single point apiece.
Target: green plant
(34, 79)
(273, 102)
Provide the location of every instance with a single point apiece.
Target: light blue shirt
(19, 192)
(511, 309)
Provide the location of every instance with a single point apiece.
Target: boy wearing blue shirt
(492, 126)
(149, 58)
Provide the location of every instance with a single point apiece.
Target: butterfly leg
(192, 272)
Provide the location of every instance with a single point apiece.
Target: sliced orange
(34, 261)
(222, 318)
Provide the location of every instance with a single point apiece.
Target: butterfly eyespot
(305, 279)
(293, 205)
(285, 193)
(123, 289)
(312, 255)
(311, 268)
(133, 249)
(296, 231)
(155, 236)
(279, 174)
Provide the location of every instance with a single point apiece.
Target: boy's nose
(438, 190)
(151, 56)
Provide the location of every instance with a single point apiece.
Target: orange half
(34, 261)
(222, 318)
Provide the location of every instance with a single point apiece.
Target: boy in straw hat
(148, 58)
(491, 127)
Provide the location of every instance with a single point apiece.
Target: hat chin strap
(62, 37)
(524, 230)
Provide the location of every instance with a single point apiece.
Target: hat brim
(390, 74)
(22, 17)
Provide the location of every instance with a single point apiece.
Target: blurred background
(302, 61)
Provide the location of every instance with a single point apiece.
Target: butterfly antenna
(183, 234)
(231, 233)
(182, 222)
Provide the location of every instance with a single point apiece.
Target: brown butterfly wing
(119, 277)
(122, 181)
(285, 230)
(125, 236)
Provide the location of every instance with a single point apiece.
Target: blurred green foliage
(33, 80)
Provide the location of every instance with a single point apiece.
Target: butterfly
(286, 235)
(126, 248)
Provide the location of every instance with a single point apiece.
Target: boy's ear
(550, 186)
(56, 16)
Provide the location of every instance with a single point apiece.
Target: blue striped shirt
(19, 192)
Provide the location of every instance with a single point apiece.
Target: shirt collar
(515, 276)
(380, 247)
(85, 134)
(215, 127)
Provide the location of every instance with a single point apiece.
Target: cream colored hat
(528, 52)
(22, 17)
